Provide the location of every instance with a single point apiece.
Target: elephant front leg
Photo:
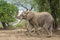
(29, 29)
(36, 28)
(48, 29)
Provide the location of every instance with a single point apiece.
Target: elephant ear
(30, 15)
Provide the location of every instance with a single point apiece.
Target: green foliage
(7, 11)
(42, 5)
(11, 27)
(1, 26)
(21, 24)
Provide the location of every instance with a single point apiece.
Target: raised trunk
(16, 15)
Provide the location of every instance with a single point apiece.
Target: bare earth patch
(19, 34)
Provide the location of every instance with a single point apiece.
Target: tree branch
(31, 8)
(21, 5)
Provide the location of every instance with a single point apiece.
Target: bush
(21, 24)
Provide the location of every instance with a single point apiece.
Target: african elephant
(39, 19)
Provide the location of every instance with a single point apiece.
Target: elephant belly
(41, 21)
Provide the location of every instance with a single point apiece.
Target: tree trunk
(5, 26)
(53, 6)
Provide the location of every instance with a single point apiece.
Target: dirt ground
(19, 34)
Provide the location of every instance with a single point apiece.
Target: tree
(54, 6)
(22, 3)
(7, 12)
(51, 6)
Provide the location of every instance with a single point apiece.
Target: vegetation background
(9, 8)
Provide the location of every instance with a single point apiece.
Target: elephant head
(27, 15)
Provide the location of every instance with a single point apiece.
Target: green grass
(1, 26)
(21, 24)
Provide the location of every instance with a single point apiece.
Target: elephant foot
(28, 33)
(49, 36)
(37, 33)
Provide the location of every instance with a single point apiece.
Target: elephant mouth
(24, 18)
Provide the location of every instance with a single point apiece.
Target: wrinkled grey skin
(39, 19)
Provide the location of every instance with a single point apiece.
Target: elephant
(39, 19)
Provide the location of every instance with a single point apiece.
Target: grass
(21, 24)
(1, 25)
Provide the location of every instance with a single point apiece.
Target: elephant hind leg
(51, 29)
(48, 29)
